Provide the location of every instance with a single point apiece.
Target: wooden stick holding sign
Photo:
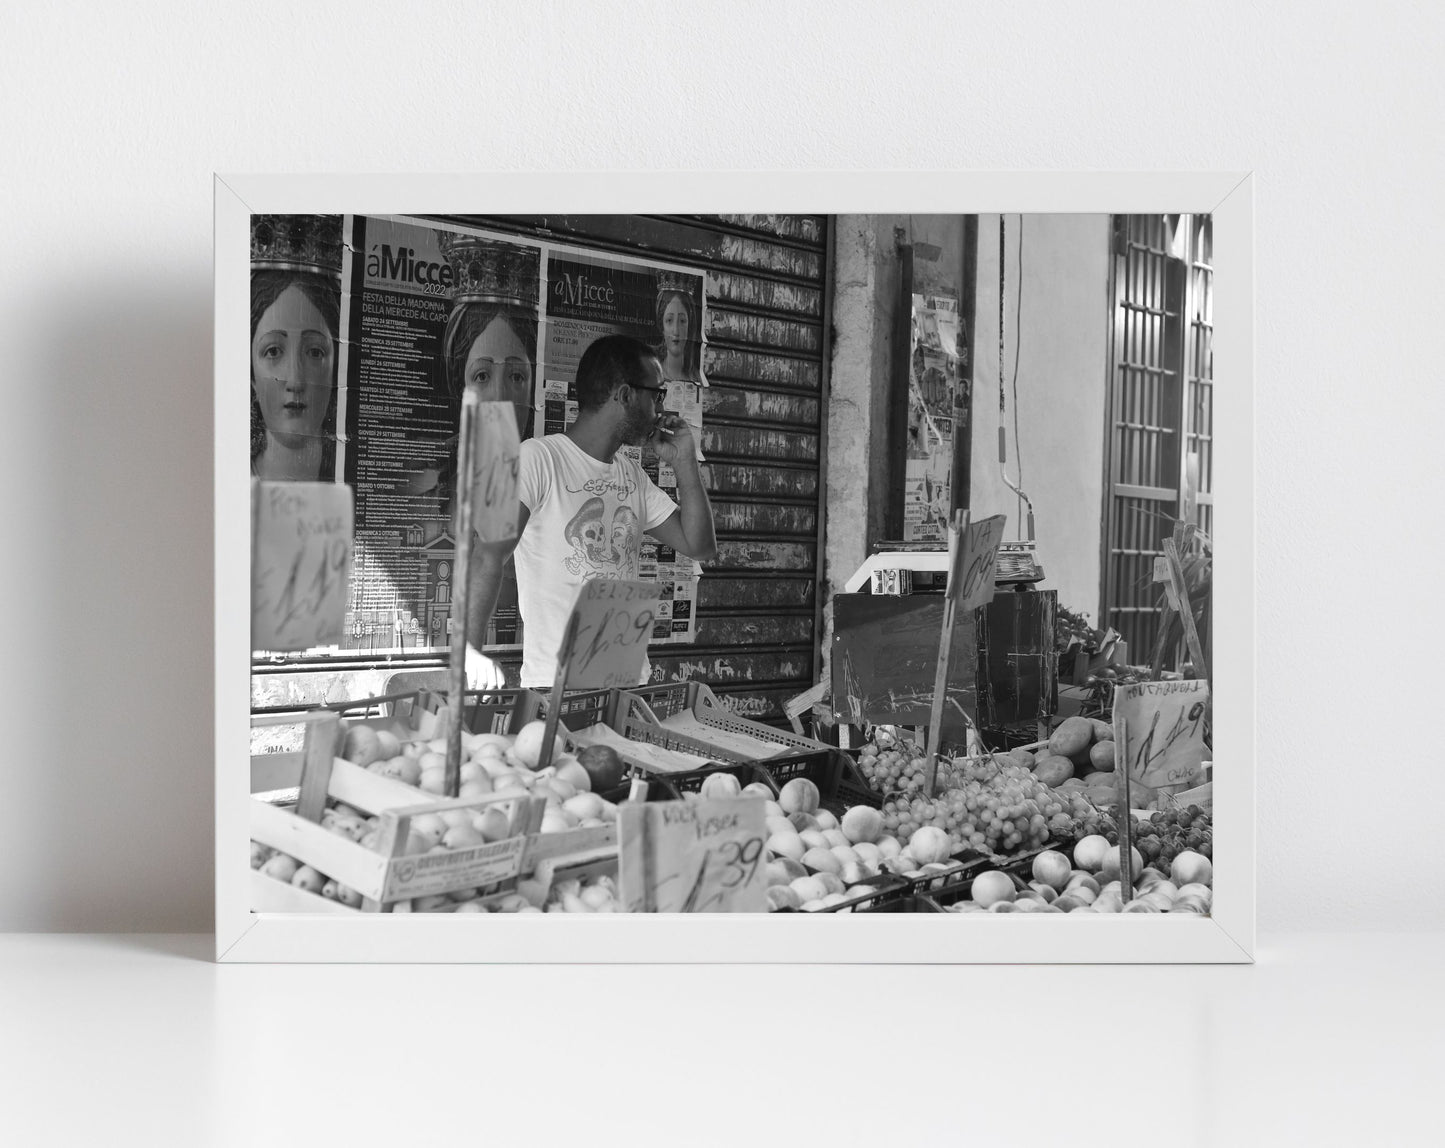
(972, 570)
(488, 457)
(604, 644)
(957, 531)
(1126, 818)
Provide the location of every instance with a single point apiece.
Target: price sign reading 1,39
(612, 622)
(692, 856)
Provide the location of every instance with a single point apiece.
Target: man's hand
(672, 439)
(482, 672)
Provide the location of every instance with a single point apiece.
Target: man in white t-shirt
(585, 507)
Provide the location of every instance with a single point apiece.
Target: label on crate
(692, 856)
(498, 459)
(613, 624)
(1163, 742)
(432, 873)
(300, 564)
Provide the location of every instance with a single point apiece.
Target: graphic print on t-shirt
(603, 548)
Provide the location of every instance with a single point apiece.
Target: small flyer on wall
(428, 310)
(932, 383)
(588, 296)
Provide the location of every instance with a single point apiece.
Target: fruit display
(815, 860)
(493, 765)
(1089, 883)
(994, 804)
(1171, 833)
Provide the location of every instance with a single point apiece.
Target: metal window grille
(1161, 354)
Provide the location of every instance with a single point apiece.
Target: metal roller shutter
(768, 311)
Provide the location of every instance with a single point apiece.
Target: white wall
(114, 116)
(1057, 395)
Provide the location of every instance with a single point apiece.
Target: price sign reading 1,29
(494, 485)
(692, 856)
(611, 622)
(300, 563)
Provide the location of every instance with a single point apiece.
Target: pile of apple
(1091, 884)
(816, 860)
(500, 764)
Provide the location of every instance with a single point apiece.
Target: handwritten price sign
(977, 561)
(300, 564)
(611, 623)
(494, 486)
(692, 856)
(1163, 738)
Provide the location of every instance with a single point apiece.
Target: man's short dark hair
(607, 364)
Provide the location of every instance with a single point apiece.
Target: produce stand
(290, 792)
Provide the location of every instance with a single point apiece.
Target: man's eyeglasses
(661, 391)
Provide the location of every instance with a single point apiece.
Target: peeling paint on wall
(768, 294)
(760, 367)
(741, 328)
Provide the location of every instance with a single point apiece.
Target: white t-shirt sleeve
(534, 475)
(659, 508)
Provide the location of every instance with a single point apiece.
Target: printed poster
(403, 314)
(430, 309)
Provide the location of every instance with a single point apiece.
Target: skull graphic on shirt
(594, 547)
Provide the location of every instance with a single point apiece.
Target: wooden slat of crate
(342, 860)
(275, 771)
(268, 895)
(551, 846)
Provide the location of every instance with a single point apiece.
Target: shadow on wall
(117, 827)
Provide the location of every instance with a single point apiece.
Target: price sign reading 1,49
(1164, 731)
(692, 856)
(612, 622)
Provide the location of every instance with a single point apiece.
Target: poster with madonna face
(366, 331)
(427, 310)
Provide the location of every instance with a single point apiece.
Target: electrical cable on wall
(1017, 488)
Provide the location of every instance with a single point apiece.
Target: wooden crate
(387, 876)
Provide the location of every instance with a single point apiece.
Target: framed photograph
(772, 436)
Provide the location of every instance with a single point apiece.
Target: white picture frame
(1228, 936)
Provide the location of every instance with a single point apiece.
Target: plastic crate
(887, 888)
(630, 715)
(690, 781)
(659, 788)
(708, 711)
(958, 891)
(911, 904)
(832, 771)
(484, 711)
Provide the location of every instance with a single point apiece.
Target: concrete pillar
(865, 286)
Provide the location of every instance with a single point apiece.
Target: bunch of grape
(893, 769)
(991, 806)
(1170, 832)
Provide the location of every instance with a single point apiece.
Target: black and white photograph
(853, 564)
(720, 574)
